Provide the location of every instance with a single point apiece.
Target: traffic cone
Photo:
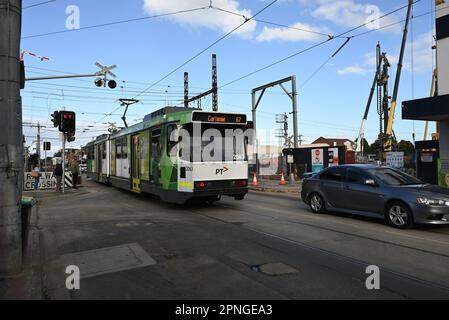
(255, 183)
(282, 183)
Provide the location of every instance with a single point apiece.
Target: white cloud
(349, 13)
(352, 70)
(289, 34)
(208, 18)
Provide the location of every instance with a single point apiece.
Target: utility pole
(186, 89)
(294, 97)
(11, 140)
(213, 91)
(38, 145)
(38, 139)
(214, 83)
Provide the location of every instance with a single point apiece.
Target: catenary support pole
(38, 145)
(11, 139)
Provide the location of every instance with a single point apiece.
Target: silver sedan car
(380, 192)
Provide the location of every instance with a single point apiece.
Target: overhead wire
(317, 45)
(208, 47)
(115, 23)
(38, 4)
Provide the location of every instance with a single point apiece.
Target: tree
(406, 146)
(366, 147)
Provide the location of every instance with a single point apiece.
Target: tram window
(171, 137)
(118, 148)
(103, 151)
(124, 148)
(155, 143)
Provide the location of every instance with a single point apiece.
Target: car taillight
(242, 183)
(200, 185)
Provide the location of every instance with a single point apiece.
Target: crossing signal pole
(65, 121)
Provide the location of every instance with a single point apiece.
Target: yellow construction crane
(388, 142)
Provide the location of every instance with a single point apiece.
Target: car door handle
(347, 188)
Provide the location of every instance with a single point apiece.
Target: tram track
(346, 258)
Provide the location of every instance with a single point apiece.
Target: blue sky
(331, 104)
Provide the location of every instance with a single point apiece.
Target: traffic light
(47, 146)
(55, 119)
(67, 122)
(70, 136)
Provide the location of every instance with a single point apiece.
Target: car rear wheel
(398, 215)
(316, 203)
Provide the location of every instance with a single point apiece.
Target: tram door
(98, 160)
(155, 155)
(135, 162)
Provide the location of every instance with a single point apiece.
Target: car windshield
(394, 177)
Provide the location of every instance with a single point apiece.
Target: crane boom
(389, 131)
(361, 135)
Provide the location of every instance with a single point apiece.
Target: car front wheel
(398, 215)
(316, 203)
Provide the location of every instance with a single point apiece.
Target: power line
(274, 23)
(199, 53)
(325, 63)
(208, 47)
(116, 22)
(38, 4)
(316, 45)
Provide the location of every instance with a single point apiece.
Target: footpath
(27, 284)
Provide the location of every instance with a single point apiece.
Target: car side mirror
(370, 182)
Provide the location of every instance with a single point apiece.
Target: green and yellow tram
(177, 154)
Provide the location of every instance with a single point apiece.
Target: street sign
(47, 146)
(290, 158)
(47, 181)
(317, 160)
(395, 160)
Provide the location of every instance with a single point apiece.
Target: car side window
(333, 174)
(356, 176)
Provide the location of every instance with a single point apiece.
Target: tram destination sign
(219, 117)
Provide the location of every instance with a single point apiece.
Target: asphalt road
(264, 247)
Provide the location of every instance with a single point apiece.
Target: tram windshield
(206, 142)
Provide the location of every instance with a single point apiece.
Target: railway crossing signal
(101, 80)
(104, 72)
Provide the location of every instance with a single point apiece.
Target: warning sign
(395, 159)
(46, 181)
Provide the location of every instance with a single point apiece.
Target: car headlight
(432, 202)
